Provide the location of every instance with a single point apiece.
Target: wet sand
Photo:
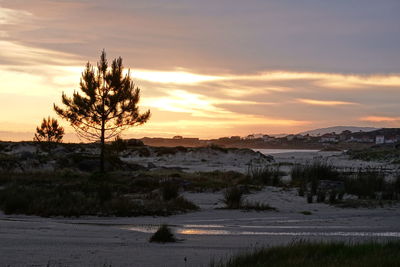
(206, 235)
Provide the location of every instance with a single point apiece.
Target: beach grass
(310, 254)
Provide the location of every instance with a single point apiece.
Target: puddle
(237, 230)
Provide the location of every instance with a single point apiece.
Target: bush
(233, 198)
(163, 235)
(181, 204)
(169, 190)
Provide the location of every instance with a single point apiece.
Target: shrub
(233, 198)
(181, 204)
(117, 146)
(14, 200)
(163, 235)
(169, 190)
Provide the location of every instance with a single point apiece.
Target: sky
(208, 68)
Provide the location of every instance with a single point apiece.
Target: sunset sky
(208, 68)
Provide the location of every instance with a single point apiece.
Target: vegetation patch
(323, 183)
(308, 254)
(256, 206)
(163, 235)
(306, 212)
(268, 175)
(234, 199)
(75, 194)
(378, 153)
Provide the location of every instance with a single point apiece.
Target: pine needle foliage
(49, 131)
(106, 105)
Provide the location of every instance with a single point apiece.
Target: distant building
(177, 137)
(345, 135)
(267, 138)
(250, 137)
(329, 138)
(380, 139)
(391, 140)
(290, 137)
(362, 139)
(299, 137)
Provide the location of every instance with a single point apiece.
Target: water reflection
(189, 229)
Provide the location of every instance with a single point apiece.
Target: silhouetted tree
(107, 104)
(50, 132)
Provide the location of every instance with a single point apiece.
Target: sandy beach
(206, 235)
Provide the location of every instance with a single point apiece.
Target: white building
(380, 139)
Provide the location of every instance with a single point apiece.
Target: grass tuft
(233, 198)
(306, 212)
(163, 235)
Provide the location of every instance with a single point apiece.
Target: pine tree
(106, 105)
(50, 131)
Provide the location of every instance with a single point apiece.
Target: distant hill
(338, 130)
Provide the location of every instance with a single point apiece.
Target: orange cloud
(330, 80)
(324, 102)
(380, 119)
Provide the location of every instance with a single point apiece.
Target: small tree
(106, 106)
(50, 131)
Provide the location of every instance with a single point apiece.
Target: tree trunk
(102, 147)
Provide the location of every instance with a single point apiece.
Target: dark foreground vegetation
(66, 182)
(318, 181)
(385, 153)
(306, 254)
(163, 235)
(75, 194)
(233, 198)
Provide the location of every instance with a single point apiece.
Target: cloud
(380, 119)
(210, 68)
(177, 77)
(15, 54)
(216, 36)
(330, 80)
(324, 102)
